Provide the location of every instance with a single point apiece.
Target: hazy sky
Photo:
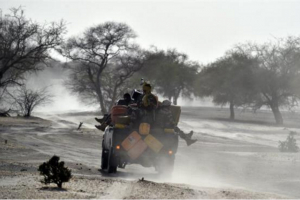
(202, 29)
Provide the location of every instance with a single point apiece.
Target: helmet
(147, 88)
(127, 97)
(166, 103)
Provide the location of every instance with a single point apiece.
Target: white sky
(202, 29)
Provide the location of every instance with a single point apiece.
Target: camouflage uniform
(164, 119)
(148, 102)
(145, 111)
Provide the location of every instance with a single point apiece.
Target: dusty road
(230, 159)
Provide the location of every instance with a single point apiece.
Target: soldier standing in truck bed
(147, 101)
(146, 106)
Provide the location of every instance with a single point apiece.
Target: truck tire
(104, 159)
(108, 163)
(111, 164)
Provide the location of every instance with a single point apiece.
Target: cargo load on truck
(145, 136)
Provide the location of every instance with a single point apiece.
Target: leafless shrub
(290, 144)
(26, 100)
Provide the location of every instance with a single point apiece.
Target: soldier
(148, 101)
(146, 106)
(106, 119)
(165, 120)
(126, 101)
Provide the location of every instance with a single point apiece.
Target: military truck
(144, 144)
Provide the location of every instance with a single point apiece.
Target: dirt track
(229, 161)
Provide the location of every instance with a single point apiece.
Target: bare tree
(26, 100)
(115, 79)
(94, 51)
(24, 44)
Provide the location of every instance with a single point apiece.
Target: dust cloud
(54, 78)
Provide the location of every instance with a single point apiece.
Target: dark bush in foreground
(55, 172)
(290, 144)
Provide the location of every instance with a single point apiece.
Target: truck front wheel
(111, 164)
(104, 159)
(108, 161)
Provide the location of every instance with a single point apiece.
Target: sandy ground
(230, 160)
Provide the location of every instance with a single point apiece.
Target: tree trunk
(101, 101)
(175, 98)
(97, 84)
(175, 101)
(231, 107)
(59, 185)
(277, 114)
(28, 112)
(114, 96)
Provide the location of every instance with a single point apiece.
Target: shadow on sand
(57, 189)
(136, 175)
(244, 121)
